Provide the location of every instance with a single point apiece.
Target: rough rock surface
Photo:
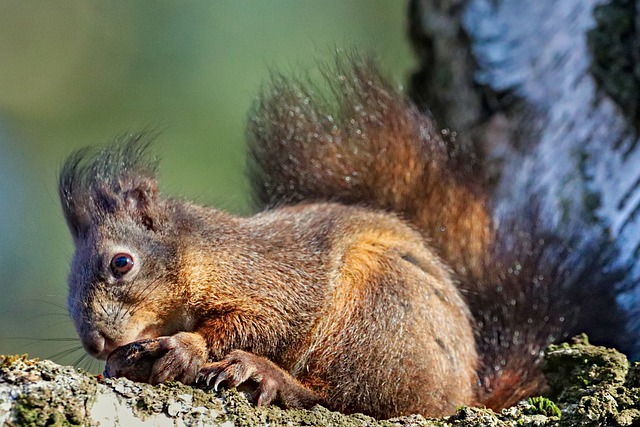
(589, 386)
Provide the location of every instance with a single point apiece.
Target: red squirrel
(373, 279)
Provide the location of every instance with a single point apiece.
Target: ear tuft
(118, 179)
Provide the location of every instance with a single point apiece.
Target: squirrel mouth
(101, 346)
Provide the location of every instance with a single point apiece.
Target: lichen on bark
(589, 385)
(593, 385)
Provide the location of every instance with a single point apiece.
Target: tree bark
(36, 393)
(549, 92)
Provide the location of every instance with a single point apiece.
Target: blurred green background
(76, 73)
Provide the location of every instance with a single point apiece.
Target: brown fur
(411, 301)
(377, 150)
(374, 149)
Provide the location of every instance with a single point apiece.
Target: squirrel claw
(212, 372)
(274, 385)
(206, 377)
(235, 369)
(223, 376)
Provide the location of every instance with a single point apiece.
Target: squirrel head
(125, 252)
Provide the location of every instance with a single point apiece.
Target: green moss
(43, 390)
(543, 406)
(572, 369)
(590, 386)
(33, 413)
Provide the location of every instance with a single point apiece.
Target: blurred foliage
(78, 73)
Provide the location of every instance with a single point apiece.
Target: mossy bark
(590, 386)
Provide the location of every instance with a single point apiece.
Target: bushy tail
(367, 144)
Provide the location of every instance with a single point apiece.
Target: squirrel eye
(121, 264)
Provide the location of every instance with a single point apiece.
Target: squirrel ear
(141, 202)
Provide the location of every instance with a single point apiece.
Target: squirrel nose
(95, 345)
(100, 346)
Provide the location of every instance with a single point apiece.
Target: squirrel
(374, 278)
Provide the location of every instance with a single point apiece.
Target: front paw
(274, 385)
(177, 357)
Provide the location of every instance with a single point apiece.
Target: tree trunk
(549, 92)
